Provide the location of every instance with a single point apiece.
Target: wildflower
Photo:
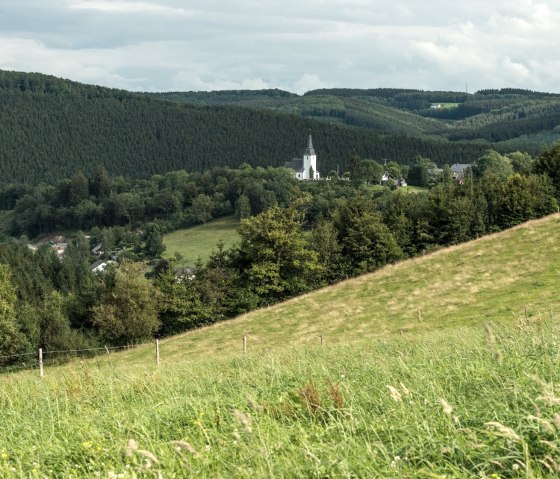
(87, 444)
(5, 455)
(395, 394)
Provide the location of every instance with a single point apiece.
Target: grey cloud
(294, 45)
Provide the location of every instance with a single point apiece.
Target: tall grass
(431, 405)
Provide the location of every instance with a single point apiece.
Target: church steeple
(309, 150)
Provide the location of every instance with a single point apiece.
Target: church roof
(296, 164)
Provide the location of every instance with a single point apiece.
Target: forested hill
(50, 128)
(508, 118)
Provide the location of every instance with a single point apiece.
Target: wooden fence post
(157, 352)
(41, 370)
(244, 344)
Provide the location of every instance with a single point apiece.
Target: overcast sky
(295, 45)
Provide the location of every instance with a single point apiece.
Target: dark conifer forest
(51, 128)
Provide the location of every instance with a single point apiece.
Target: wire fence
(42, 358)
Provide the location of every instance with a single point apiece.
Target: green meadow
(444, 366)
(199, 241)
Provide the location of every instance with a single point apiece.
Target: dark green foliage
(419, 172)
(127, 312)
(549, 164)
(367, 243)
(153, 239)
(492, 163)
(10, 336)
(53, 128)
(274, 258)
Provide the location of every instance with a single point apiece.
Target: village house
(458, 171)
(388, 180)
(184, 273)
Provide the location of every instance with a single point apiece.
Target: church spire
(309, 150)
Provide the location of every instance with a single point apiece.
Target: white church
(305, 168)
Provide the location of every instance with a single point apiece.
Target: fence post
(244, 344)
(41, 370)
(321, 339)
(157, 352)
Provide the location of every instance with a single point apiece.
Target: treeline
(172, 201)
(52, 128)
(325, 232)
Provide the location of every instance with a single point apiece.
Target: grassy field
(449, 105)
(443, 366)
(200, 241)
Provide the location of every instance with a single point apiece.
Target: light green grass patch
(449, 105)
(199, 241)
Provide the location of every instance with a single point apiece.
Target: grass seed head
(556, 421)
(149, 456)
(547, 425)
(447, 408)
(548, 397)
(311, 398)
(405, 390)
(395, 394)
(336, 395)
(503, 431)
(131, 447)
(492, 344)
(243, 419)
(185, 446)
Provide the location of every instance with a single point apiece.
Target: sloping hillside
(490, 279)
(408, 383)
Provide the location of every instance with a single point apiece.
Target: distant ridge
(51, 127)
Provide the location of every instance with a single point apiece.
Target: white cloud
(112, 6)
(184, 81)
(309, 81)
(294, 45)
